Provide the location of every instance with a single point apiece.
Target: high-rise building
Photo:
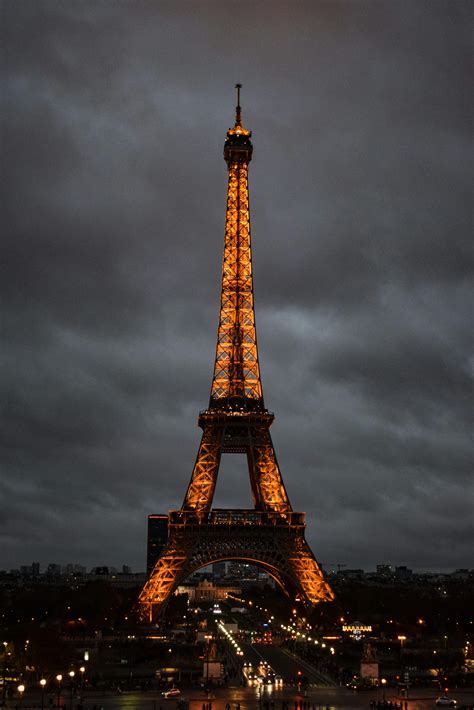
(157, 539)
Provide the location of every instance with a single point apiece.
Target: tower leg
(310, 578)
(163, 580)
(203, 479)
(265, 475)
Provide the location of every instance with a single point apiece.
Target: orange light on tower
(236, 421)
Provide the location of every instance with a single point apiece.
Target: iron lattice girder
(236, 421)
(236, 369)
(274, 542)
(236, 431)
(203, 479)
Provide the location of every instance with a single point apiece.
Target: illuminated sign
(356, 628)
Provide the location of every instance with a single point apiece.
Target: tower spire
(238, 117)
(236, 381)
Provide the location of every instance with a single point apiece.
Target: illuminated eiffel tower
(271, 535)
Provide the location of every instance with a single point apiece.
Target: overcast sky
(116, 114)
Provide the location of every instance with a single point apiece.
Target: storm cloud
(114, 205)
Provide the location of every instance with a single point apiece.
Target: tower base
(273, 541)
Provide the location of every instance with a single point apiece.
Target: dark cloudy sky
(115, 118)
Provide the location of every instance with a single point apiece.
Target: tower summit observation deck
(236, 421)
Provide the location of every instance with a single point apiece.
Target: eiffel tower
(271, 535)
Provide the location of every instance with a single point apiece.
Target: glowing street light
(59, 679)
(21, 690)
(383, 681)
(4, 687)
(71, 676)
(43, 684)
(82, 670)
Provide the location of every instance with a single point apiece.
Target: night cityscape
(129, 576)
(58, 620)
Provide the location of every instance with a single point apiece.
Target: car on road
(171, 693)
(444, 700)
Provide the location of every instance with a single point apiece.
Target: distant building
(403, 572)
(384, 570)
(156, 540)
(246, 575)
(74, 569)
(219, 569)
(243, 570)
(32, 570)
(116, 579)
(53, 570)
(351, 574)
(207, 591)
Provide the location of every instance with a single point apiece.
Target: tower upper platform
(238, 146)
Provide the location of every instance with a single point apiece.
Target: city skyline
(42, 568)
(115, 122)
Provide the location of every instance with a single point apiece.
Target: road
(317, 698)
(282, 663)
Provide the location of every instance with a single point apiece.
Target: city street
(281, 662)
(248, 699)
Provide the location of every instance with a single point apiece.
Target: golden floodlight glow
(236, 421)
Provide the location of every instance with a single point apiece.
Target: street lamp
(383, 681)
(71, 676)
(82, 670)
(42, 683)
(4, 687)
(21, 690)
(208, 638)
(59, 679)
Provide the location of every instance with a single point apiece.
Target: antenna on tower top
(237, 108)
